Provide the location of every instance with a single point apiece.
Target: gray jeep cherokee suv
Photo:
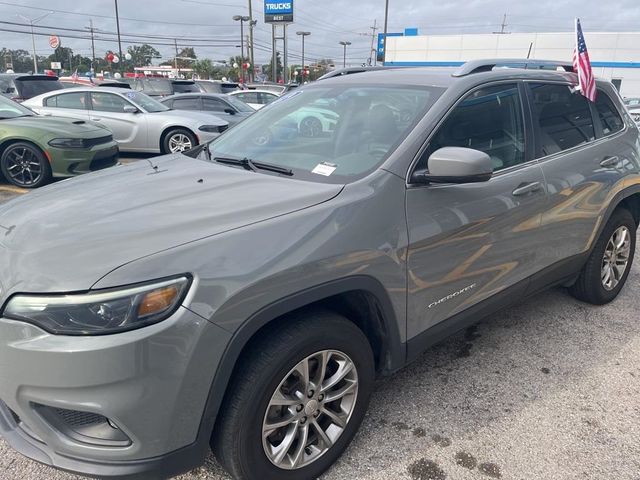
(246, 296)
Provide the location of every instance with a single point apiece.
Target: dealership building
(614, 56)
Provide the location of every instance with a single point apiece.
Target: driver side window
(490, 120)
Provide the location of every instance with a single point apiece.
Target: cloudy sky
(207, 24)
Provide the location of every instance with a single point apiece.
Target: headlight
(67, 143)
(101, 311)
(211, 128)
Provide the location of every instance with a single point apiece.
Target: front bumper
(69, 163)
(151, 384)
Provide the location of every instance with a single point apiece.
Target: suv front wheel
(296, 401)
(609, 264)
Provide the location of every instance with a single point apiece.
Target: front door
(469, 242)
(129, 129)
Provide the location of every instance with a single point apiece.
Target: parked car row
(247, 298)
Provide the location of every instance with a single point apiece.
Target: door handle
(526, 188)
(610, 162)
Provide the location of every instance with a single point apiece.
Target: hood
(201, 118)
(58, 126)
(66, 236)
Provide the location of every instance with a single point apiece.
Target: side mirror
(455, 165)
(230, 111)
(130, 109)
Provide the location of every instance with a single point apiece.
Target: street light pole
(344, 55)
(32, 21)
(303, 34)
(241, 19)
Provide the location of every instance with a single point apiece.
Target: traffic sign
(54, 41)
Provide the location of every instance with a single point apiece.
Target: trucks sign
(278, 11)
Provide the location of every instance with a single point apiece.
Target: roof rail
(477, 66)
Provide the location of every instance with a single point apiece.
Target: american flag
(582, 66)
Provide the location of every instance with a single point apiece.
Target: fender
(395, 349)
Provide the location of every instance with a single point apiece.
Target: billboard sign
(381, 43)
(278, 11)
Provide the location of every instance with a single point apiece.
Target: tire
(238, 440)
(24, 165)
(310, 127)
(178, 140)
(594, 285)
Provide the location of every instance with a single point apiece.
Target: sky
(207, 25)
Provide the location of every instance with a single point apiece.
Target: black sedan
(222, 106)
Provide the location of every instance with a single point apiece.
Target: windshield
(146, 102)
(329, 134)
(239, 104)
(209, 87)
(11, 109)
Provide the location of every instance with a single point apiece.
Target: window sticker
(324, 168)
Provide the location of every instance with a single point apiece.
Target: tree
(19, 60)
(204, 68)
(268, 68)
(141, 56)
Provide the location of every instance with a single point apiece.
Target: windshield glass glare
(11, 109)
(146, 102)
(329, 134)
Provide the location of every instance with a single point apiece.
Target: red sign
(54, 41)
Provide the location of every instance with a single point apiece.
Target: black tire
(310, 127)
(590, 286)
(177, 133)
(35, 173)
(237, 440)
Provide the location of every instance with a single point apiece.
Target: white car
(255, 98)
(138, 122)
(635, 114)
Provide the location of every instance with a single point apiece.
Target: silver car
(138, 122)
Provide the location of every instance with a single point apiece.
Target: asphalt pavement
(548, 390)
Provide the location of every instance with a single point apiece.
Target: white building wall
(614, 55)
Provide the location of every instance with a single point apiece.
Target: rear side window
(214, 105)
(186, 103)
(564, 118)
(609, 116)
(489, 120)
(67, 100)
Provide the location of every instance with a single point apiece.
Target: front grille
(105, 159)
(92, 142)
(75, 418)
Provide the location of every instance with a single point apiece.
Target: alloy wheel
(616, 258)
(179, 142)
(24, 166)
(310, 409)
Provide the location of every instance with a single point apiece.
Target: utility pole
(252, 23)
(503, 25)
(386, 23)
(93, 45)
(373, 53)
(118, 29)
(175, 59)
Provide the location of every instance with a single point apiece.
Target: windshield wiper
(249, 164)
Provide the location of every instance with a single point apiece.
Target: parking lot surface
(549, 389)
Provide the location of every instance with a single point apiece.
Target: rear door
(220, 109)
(71, 104)
(468, 242)
(129, 129)
(582, 150)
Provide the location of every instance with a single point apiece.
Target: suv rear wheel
(296, 401)
(607, 269)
